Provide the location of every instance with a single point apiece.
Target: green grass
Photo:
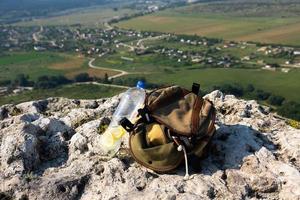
(30, 63)
(35, 64)
(268, 29)
(140, 64)
(20, 58)
(162, 69)
(69, 91)
(278, 83)
(240, 8)
(92, 17)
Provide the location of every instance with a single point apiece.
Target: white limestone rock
(50, 149)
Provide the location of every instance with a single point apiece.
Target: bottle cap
(140, 84)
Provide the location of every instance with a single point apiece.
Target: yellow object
(108, 139)
(112, 135)
(155, 135)
(118, 133)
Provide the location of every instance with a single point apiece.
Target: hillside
(50, 150)
(51, 5)
(261, 21)
(16, 10)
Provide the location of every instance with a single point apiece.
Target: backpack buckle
(126, 124)
(144, 113)
(196, 88)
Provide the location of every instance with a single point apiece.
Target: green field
(149, 63)
(278, 83)
(276, 24)
(36, 64)
(157, 68)
(68, 91)
(92, 17)
(30, 63)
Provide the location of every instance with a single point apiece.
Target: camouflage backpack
(173, 123)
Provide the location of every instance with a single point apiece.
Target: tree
(22, 80)
(106, 80)
(46, 82)
(42, 78)
(275, 65)
(275, 100)
(82, 77)
(290, 110)
(60, 80)
(250, 88)
(262, 95)
(5, 82)
(235, 89)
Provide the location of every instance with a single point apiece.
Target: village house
(271, 67)
(197, 59)
(296, 53)
(263, 49)
(288, 62)
(246, 58)
(39, 48)
(194, 42)
(285, 70)
(153, 8)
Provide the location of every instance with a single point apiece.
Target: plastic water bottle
(132, 100)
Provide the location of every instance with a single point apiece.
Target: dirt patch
(70, 63)
(159, 19)
(287, 34)
(205, 30)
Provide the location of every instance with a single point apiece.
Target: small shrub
(290, 110)
(250, 88)
(22, 80)
(102, 128)
(235, 89)
(46, 82)
(262, 95)
(5, 82)
(275, 100)
(294, 124)
(29, 176)
(83, 77)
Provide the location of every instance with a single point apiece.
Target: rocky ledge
(50, 150)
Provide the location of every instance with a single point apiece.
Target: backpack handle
(196, 88)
